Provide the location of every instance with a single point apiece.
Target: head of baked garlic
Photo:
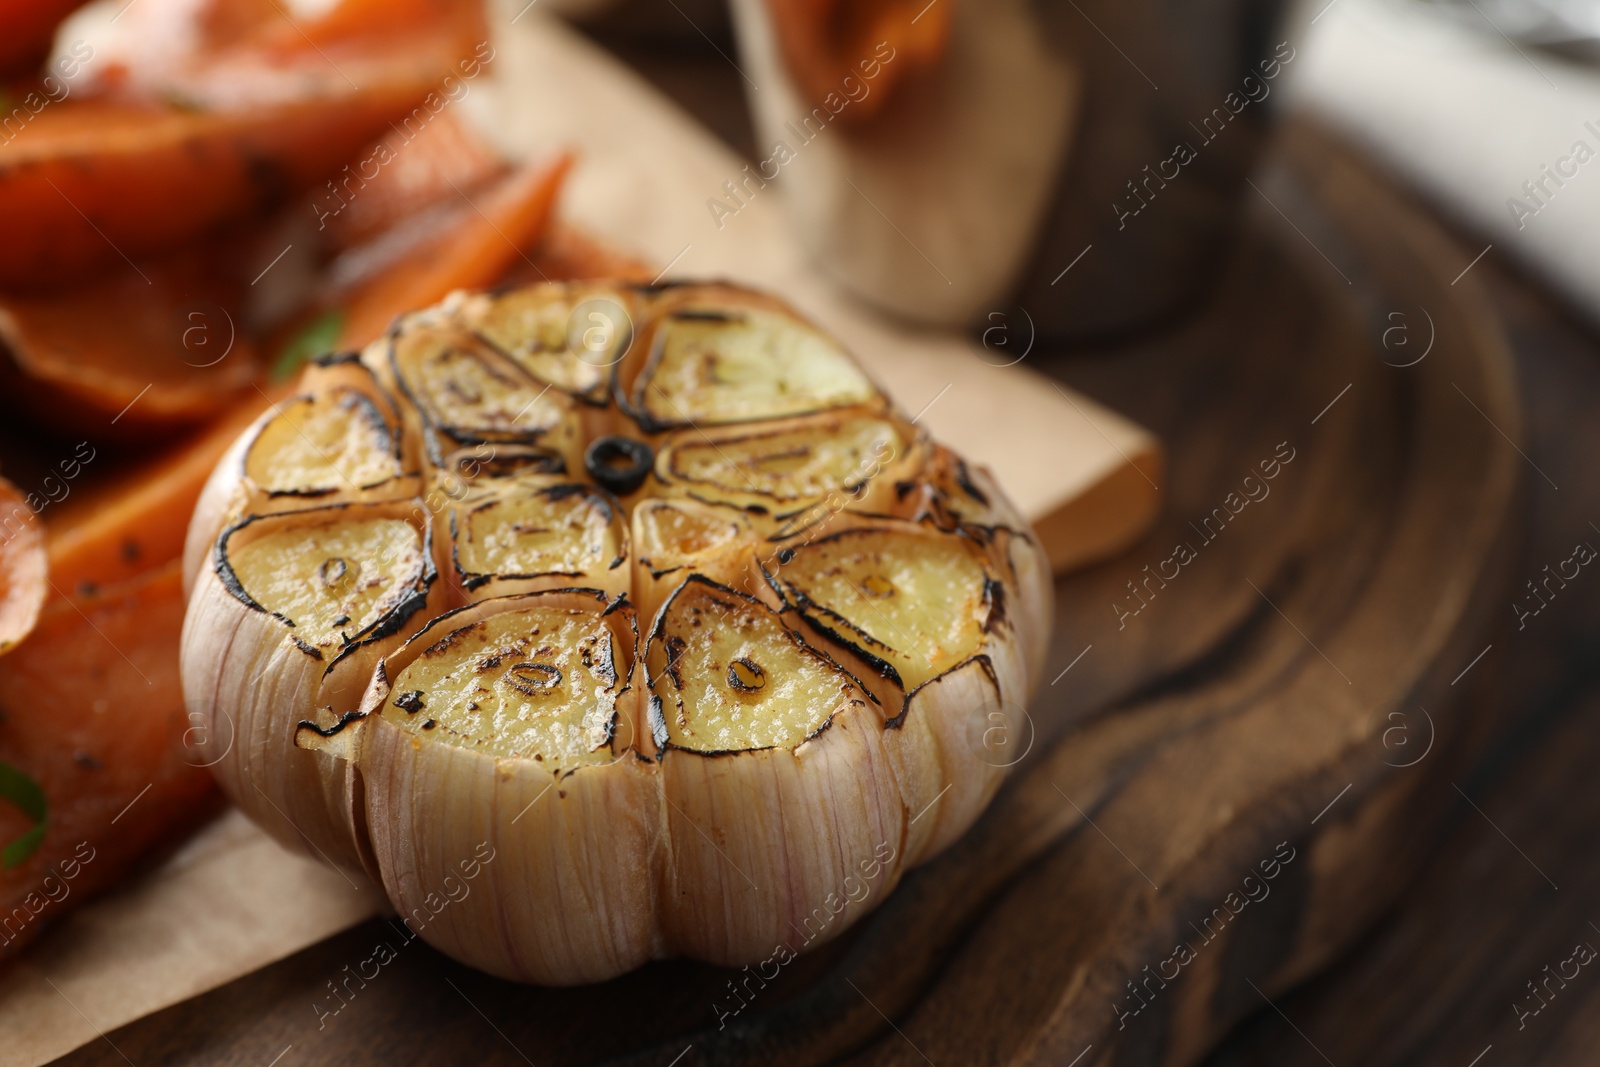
(599, 624)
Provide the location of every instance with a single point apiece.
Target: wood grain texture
(1247, 709)
(1441, 979)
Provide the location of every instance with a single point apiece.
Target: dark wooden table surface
(1464, 971)
(1469, 964)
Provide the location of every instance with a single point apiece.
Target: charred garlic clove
(466, 392)
(331, 577)
(286, 628)
(819, 465)
(568, 336)
(324, 443)
(675, 538)
(526, 787)
(727, 676)
(910, 604)
(526, 536)
(537, 683)
(715, 362)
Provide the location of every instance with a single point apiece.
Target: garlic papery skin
(775, 779)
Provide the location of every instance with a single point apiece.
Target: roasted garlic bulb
(599, 624)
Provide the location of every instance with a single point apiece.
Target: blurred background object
(1571, 26)
(1501, 134)
(1121, 131)
(967, 174)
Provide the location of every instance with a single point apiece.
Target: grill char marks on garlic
(681, 710)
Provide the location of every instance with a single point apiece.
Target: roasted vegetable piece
(92, 714)
(172, 149)
(428, 628)
(413, 169)
(141, 351)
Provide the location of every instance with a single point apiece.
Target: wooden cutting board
(1243, 761)
(231, 901)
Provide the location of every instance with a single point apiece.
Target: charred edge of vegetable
(994, 598)
(980, 658)
(597, 395)
(382, 626)
(473, 580)
(657, 715)
(964, 480)
(786, 533)
(803, 511)
(334, 359)
(390, 622)
(230, 580)
(514, 460)
(749, 509)
(351, 400)
(392, 411)
(1012, 537)
(804, 605)
(344, 720)
(619, 603)
(653, 288)
(634, 406)
(432, 429)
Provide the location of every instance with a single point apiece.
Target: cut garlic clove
(501, 777)
(756, 732)
(964, 499)
(285, 627)
(336, 440)
(530, 535)
(568, 336)
(675, 538)
(713, 355)
(797, 473)
(467, 393)
(908, 603)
